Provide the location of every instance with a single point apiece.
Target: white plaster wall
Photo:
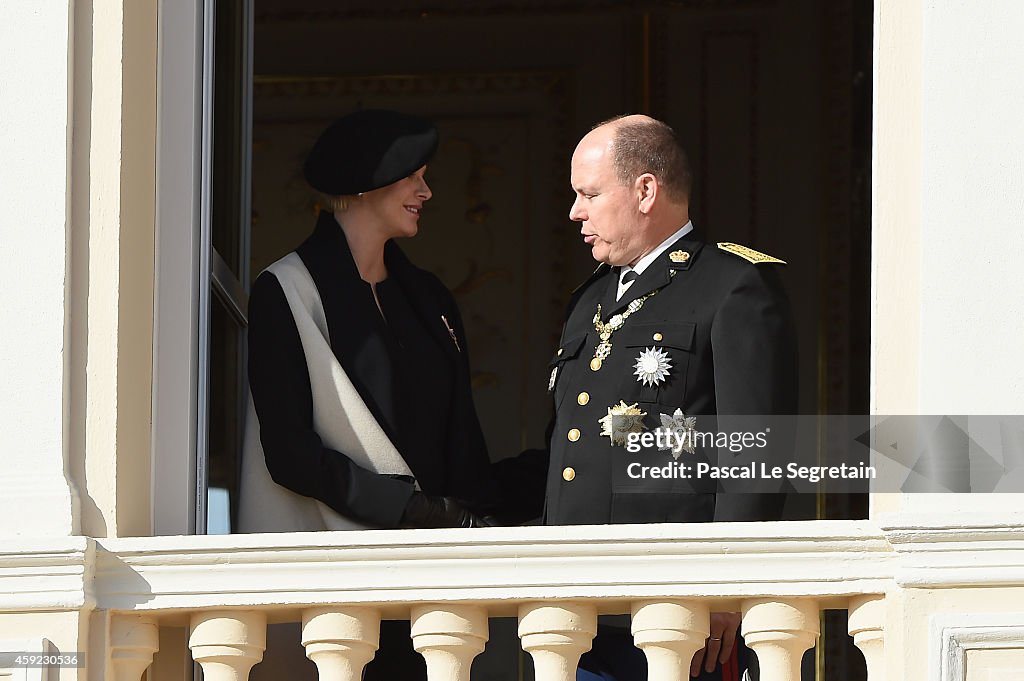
(972, 227)
(35, 99)
(896, 206)
(66, 631)
(988, 619)
(77, 187)
(948, 298)
(113, 262)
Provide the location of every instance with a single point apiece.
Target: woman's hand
(426, 511)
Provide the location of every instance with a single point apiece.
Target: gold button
(560, 351)
(595, 364)
(583, 398)
(658, 337)
(574, 435)
(568, 474)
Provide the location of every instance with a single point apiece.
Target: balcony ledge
(502, 567)
(499, 567)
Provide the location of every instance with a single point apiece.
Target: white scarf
(340, 417)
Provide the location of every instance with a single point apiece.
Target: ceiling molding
(459, 8)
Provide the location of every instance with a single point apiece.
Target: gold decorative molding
(547, 82)
(443, 8)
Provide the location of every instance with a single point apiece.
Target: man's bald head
(640, 144)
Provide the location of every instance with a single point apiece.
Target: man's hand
(426, 511)
(718, 648)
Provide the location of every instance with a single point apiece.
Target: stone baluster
(340, 640)
(228, 643)
(669, 633)
(448, 637)
(133, 640)
(555, 635)
(866, 624)
(779, 631)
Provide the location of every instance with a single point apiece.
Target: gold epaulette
(748, 254)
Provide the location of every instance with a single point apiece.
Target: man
(665, 323)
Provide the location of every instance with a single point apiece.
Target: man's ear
(647, 192)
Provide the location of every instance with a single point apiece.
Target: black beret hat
(369, 149)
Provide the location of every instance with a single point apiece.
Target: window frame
(182, 286)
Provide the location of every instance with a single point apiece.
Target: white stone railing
(557, 580)
(910, 584)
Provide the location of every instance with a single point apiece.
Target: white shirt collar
(645, 262)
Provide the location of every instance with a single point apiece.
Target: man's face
(608, 210)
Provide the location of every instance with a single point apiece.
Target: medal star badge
(682, 428)
(622, 419)
(652, 366)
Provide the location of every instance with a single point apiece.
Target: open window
(772, 100)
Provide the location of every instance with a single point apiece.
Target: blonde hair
(335, 203)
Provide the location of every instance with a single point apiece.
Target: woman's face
(395, 209)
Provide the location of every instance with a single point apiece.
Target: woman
(361, 413)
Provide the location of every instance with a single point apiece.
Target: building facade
(102, 115)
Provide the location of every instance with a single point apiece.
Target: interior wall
(760, 91)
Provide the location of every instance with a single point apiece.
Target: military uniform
(705, 329)
(714, 321)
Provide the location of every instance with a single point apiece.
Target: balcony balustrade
(447, 583)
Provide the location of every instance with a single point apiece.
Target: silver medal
(652, 366)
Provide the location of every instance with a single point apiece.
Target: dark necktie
(624, 280)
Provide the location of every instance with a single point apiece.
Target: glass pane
(229, 71)
(225, 418)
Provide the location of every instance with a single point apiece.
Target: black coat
(361, 341)
(727, 327)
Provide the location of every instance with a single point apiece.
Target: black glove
(426, 511)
